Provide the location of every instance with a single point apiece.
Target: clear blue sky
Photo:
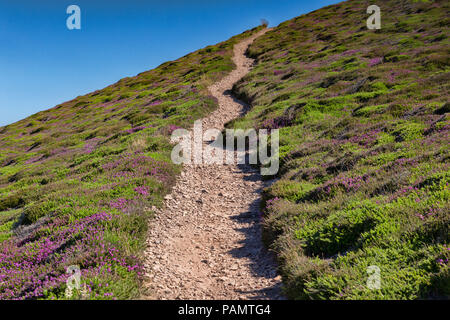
(42, 63)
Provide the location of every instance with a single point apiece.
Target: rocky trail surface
(206, 241)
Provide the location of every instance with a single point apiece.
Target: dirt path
(206, 242)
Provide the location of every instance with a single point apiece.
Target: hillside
(78, 182)
(363, 117)
(364, 147)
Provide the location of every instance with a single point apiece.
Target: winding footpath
(206, 241)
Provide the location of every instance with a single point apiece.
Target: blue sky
(42, 63)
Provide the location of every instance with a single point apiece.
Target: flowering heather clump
(351, 52)
(37, 265)
(349, 184)
(155, 103)
(271, 202)
(88, 148)
(277, 72)
(403, 162)
(375, 61)
(119, 204)
(90, 145)
(59, 152)
(281, 55)
(35, 159)
(275, 123)
(392, 76)
(365, 139)
(171, 128)
(129, 166)
(402, 192)
(137, 129)
(442, 262)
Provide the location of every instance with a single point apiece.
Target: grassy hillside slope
(79, 181)
(364, 147)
